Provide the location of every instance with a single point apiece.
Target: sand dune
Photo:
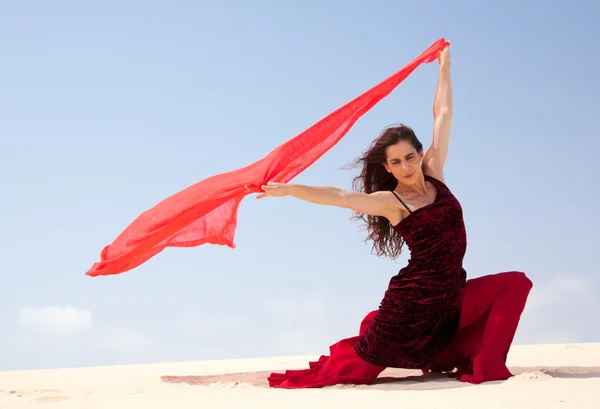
(546, 376)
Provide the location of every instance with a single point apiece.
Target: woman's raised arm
(435, 158)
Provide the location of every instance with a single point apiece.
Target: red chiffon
(207, 211)
(490, 314)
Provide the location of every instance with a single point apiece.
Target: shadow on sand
(391, 379)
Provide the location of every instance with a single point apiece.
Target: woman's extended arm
(375, 204)
(435, 158)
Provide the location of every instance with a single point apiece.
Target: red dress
(430, 318)
(419, 315)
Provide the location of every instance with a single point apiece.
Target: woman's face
(404, 162)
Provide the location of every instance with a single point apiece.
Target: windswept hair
(374, 178)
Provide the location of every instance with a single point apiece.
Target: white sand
(547, 376)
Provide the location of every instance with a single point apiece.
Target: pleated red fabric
(206, 212)
(490, 314)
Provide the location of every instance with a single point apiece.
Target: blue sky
(109, 107)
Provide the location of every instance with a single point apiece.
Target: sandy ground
(546, 376)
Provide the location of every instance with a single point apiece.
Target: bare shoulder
(381, 203)
(391, 208)
(433, 172)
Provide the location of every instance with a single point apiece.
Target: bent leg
(499, 326)
(342, 366)
(492, 308)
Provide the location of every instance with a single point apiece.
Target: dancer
(430, 318)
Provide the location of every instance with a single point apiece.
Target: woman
(430, 318)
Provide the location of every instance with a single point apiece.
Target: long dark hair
(373, 178)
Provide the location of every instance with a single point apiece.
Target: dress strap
(401, 201)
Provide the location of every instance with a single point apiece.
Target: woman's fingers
(271, 189)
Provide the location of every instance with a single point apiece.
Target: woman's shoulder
(434, 176)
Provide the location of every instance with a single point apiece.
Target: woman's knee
(366, 322)
(518, 279)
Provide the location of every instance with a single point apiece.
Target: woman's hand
(274, 189)
(444, 56)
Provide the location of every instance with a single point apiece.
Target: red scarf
(207, 211)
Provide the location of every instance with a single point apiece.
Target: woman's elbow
(444, 113)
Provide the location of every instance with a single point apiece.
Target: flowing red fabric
(490, 315)
(206, 212)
